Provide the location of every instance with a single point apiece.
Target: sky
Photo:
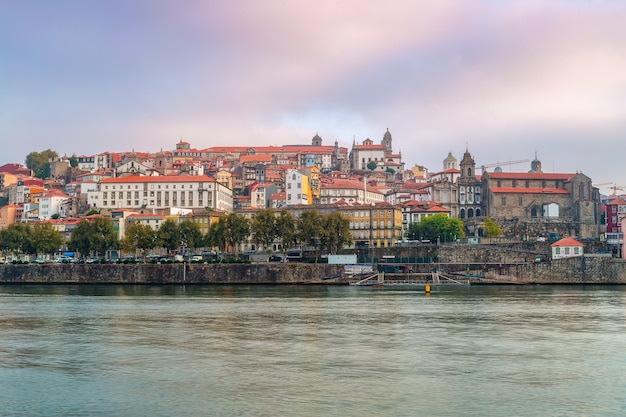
(506, 80)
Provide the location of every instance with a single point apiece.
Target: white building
(349, 191)
(161, 192)
(50, 204)
(368, 152)
(297, 188)
(566, 248)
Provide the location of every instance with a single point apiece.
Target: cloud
(508, 78)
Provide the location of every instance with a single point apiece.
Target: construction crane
(613, 186)
(497, 164)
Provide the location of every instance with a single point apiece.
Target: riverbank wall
(588, 269)
(262, 273)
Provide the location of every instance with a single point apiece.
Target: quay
(588, 269)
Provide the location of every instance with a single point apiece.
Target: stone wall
(269, 273)
(589, 269)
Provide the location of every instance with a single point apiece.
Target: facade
(297, 188)
(350, 191)
(161, 192)
(374, 226)
(566, 248)
(51, 203)
(365, 153)
(260, 195)
(469, 187)
(154, 221)
(415, 211)
(532, 203)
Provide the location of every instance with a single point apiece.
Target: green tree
(73, 161)
(45, 239)
(263, 228)
(39, 162)
(139, 236)
(169, 235)
(16, 239)
(491, 228)
(286, 229)
(436, 228)
(372, 165)
(335, 232)
(236, 230)
(190, 234)
(97, 235)
(216, 238)
(310, 230)
(80, 240)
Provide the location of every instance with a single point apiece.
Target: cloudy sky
(508, 79)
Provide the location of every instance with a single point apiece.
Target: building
(535, 203)
(161, 192)
(297, 188)
(415, 211)
(350, 191)
(52, 204)
(379, 225)
(260, 195)
(566, 248)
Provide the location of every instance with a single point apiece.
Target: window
(504, 201)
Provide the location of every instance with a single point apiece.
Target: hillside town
(368, 183)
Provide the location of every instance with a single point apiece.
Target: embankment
(266, 273)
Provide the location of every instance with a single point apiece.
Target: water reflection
(311, 350)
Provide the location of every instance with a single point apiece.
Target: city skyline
(508, 80)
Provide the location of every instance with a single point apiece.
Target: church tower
(535, 165)
(317, 140)
(387, 142)
(469, 188)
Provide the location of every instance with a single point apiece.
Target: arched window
(581, 191)
(470, 213)
(462, 213)
(477, 212)
(469, 172)
(533, 212)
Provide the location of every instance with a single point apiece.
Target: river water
(312, 351)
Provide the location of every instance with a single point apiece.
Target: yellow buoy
(427, 289)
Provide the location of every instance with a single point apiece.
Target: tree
(309, 227)
(286, 229)
(97, 235)
(190, 234)
(80, 240)
(39, 162)
(216, 236)
(45, 238)
(169, 235)
(236, 230)
(436, 228)
(263, 228)
(16, 239)
(372, 165)
(335, 232)
(491, 228)
(140, 236)
(73, 161)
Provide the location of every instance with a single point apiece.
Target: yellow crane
(499, 164)
(613, 186)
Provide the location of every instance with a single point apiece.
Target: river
(83, 350)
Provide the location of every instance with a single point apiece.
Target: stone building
(536, 203)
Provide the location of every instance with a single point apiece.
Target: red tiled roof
(568, 241)
(160, 178)
(530, 176)
(514, 190)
